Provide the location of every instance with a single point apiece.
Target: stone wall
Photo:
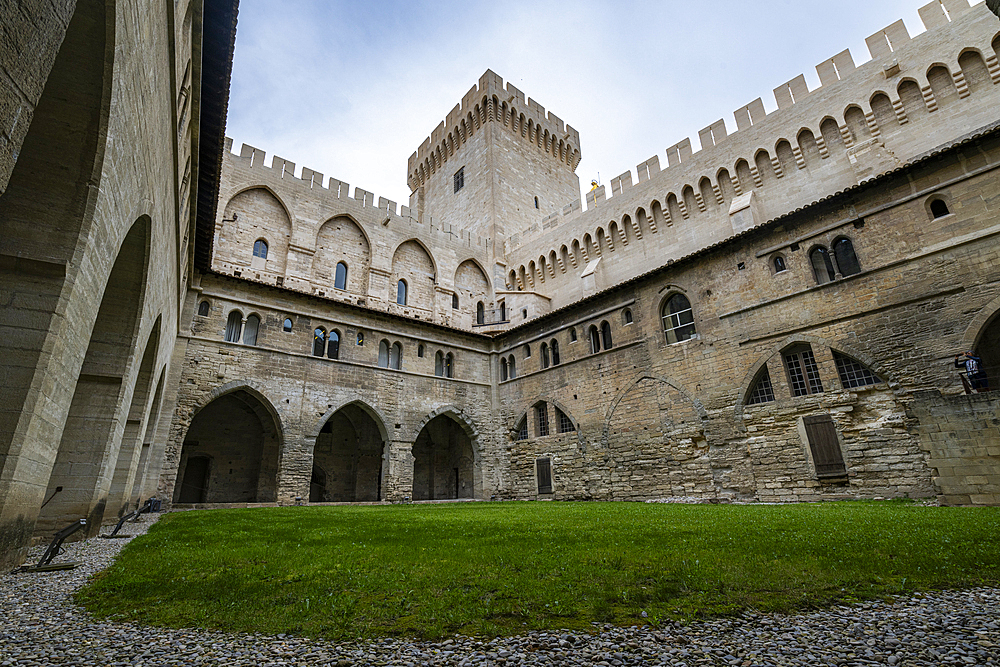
(961, 435)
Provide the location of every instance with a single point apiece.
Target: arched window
(847, 261)
(762, 391)
(287, 326)
(822, 265)
(396, 356)
(361, 338)
(779, 264)
(939, 208)
(454, 301)
(527, 351)
(234, 325)
(260, 248)
(565, 423)
(606, 335)
(480, 313)
(319, 342)
(401, 292)
(420, 351)
(554, 347)
(340, 279)
(449, 365)
(503, 311)
(203, 308)
(595, 340)
(503, 369)
(545, 355)
(383, 354)
(572, 335)
(250, 330)
(678, 319)
(522, 428)
(626, 317)
(333, 347)
(512, 367)
(439, 364)
(853, 373)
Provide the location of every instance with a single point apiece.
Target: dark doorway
(443, 461)
(195, 480)
(238, 432)
(349, 454)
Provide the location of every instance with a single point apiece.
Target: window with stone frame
(459, 179)
(260, 248)
(762, 390)
(522, 428)
(554, 350)
(234, 326)
(503, 369)
(287, 325)
(803, 373)
(678, 319)
(606, 335)
(541, 419)
(333, 345)
(203, 308)
(340, 277)
(250, 330)
(565, 423)
(853, 373)
(319, 342)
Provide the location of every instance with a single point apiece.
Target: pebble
(42, 626)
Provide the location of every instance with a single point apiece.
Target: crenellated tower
(496, 165)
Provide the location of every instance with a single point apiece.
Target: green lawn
(502, 568)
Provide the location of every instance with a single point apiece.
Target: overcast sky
(351, 89)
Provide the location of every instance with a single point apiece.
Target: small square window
(459, 179)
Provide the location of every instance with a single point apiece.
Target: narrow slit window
(554, 349)
(319, 342)
(606, 335)
(480, 313)
(333, 346)
(340, 279)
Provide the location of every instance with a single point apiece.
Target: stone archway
(231, 452)
(348, 457)
(444, 461)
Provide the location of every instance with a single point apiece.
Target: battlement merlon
(477, 108)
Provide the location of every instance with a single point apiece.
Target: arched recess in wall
(145, 475)
(942, 84)
(131, 444)
(707, 193)
(762, 159)
(349, 456)
(912, 100)
(260, 214)
(772, 360)
(809, 147)
(342, 239)
(413, 263)
(974, 69)
(982, 336)
(854, 117)
(47, 206)
(656, 441)
(830, 130)
(744, 175)
(231, 451)
(786, 158)
(473, 285)
(89, 445)
(885, 115)
(446, 459)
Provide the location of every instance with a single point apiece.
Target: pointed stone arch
(260, 213)
(413, 262)
(350, 454)
(342, 239)
(446, 456)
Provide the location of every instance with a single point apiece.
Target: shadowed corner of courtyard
(349, 572)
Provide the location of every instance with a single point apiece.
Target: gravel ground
(39, 625)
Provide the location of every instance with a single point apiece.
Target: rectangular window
(825, 448)
(459, 179)
(803, 373)
(543, 475)
(541, 420)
